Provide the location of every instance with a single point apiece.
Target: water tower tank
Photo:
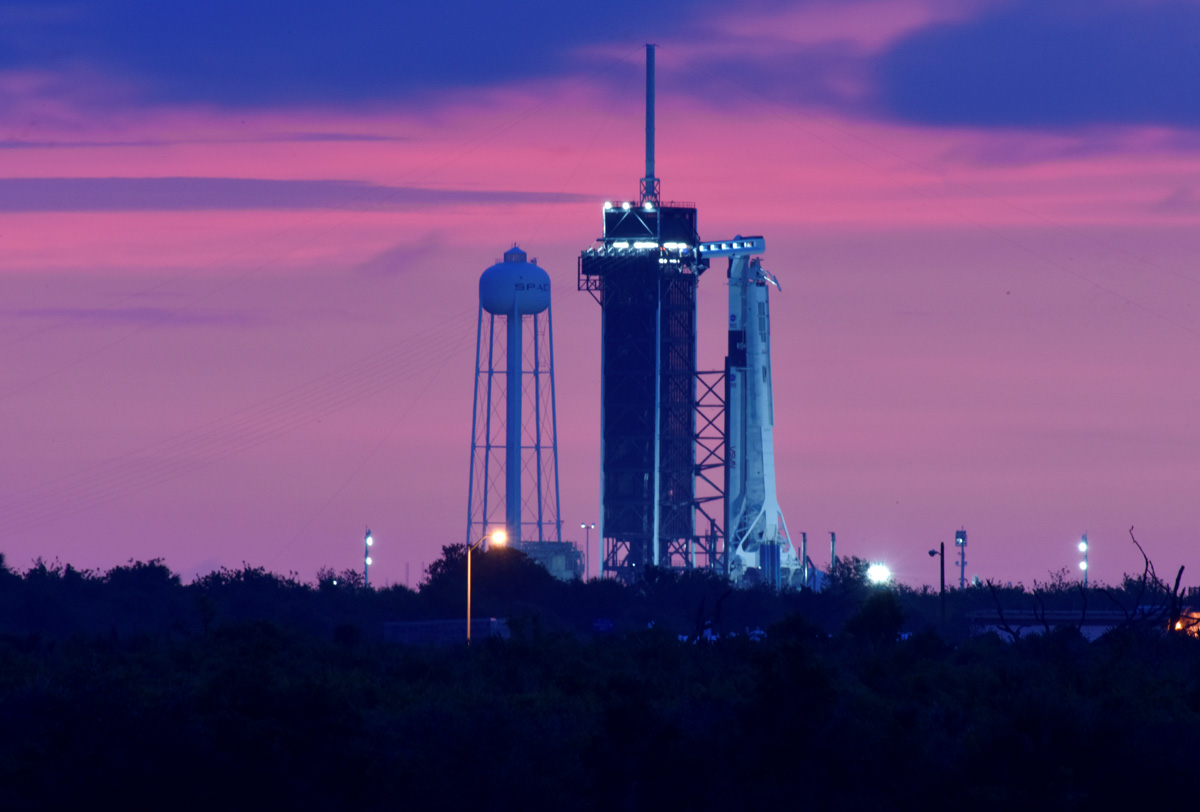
(514, 285)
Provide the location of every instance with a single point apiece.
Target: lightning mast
(650, 189)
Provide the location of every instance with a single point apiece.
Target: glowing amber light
(499, 538)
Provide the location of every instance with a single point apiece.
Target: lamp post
(367, 542)
(587, 546)
(1083, 565)
(941, 552)
(499, 538)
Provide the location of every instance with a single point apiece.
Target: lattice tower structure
(644, 273)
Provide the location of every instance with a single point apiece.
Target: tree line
(248, 689)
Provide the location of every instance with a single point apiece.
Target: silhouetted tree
(879, 620)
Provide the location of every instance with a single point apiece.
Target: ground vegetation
(245, 689)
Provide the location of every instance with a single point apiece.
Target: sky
(240, 245)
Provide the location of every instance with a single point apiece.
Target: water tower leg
(512, 429)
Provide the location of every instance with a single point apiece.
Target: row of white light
(748, 245)
(608, 205)
(669, 246)
(745, 245)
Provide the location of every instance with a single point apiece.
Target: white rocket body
(756, 536)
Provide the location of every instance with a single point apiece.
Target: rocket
(756, 532)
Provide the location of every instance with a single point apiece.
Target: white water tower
(514, 435)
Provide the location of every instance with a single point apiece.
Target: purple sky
(239, 253)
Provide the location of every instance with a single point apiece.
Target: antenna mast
(649, 184)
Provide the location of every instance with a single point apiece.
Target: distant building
(562, 559)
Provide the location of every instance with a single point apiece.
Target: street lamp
(1083, 565)
(941, 552)
(367, 542)
(587, 545)
(499, 538)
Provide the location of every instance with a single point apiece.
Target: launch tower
(688, 459)
(644, 273)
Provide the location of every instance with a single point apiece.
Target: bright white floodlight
(1083, 546)
(878, 574)
(1083, 565)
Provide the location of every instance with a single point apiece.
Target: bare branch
(1148, 572)
(1007, 629)
(1039, 610)
(1108, 593)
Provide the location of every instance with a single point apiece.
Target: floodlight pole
(1083, 565)
(367, 542)
(804, 558)
(587, 545)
